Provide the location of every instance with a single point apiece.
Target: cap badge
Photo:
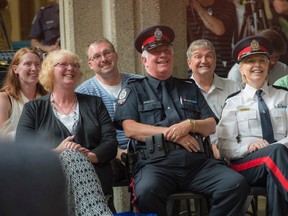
(255, 45)
(158, 34)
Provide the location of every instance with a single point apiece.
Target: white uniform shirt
(240, 123)
(218, 93)
(279, 70)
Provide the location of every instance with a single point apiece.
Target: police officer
(45, 31)
(168, 156)
(247, 128)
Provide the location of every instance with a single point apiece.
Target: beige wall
(120, 21)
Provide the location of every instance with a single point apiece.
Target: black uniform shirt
(45, 26)
(140, 100)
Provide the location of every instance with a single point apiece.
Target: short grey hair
(201, 43)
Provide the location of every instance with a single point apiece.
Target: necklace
(65, 113)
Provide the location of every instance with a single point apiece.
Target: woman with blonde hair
(78, 128)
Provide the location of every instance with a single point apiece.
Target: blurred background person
(77, 122)
(45, 29)
(277, 69)
(279, 13)
(216, 21)
(20, 85)
(34, 183)
(5, 26)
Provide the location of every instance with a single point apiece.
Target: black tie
(267, 129)
(168, 106)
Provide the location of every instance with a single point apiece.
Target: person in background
(216, 21)
(162, 109)
(201, 59)
(107, 83)
(253, 126)
(45, 29)
(5, 26)
(20, 86)
(76, 122)
(277, 69)
(279, 12)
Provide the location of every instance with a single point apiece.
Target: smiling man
(161, 113)
(201, 59)
(107, 83)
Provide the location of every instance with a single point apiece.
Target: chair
(173, 204)
(252, 200)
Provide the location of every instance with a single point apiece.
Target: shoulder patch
(123, 96)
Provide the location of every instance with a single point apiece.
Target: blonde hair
(46, 77)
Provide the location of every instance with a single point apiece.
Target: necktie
(267, 129)
(169, 108)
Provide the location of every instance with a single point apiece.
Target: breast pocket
(190, 110)
(151, 113)
(248, 123)
(51, 30)
(279, 120)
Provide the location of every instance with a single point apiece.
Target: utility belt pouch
(156, 146)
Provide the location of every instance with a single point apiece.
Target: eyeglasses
(65, 65)
(105, 54)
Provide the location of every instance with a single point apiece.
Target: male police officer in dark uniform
(169, 158)
(45, 31)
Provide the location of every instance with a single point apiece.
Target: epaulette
(280, 87)
(47, 6)
(133, 79)
(188, 80)
(233, 94)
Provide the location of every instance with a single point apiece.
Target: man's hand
(189, 143)
(177, 131)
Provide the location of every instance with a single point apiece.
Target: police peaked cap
(252, 45)
(154, 36)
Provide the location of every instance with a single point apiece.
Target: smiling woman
(251, 124)
(20, 85)
(78, 128)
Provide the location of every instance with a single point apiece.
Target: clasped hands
(69, 144)
(179, 133)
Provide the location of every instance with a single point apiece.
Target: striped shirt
(93, 87)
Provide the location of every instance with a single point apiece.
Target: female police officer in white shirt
(242, 138)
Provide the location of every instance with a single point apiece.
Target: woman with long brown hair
(20, 85)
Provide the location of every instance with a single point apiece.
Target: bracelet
(193, 123)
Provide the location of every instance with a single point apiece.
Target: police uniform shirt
(140, 101)
(240, 122)
(45, 26)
